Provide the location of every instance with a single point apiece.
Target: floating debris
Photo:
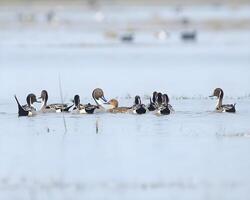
(50, 16)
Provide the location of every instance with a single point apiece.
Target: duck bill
(211, 96)
(105, 100)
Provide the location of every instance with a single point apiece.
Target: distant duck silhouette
(218, 92)
(128, 37)
(189, 35)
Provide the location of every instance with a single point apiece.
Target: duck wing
(59, 107)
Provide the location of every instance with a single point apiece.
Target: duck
(100, 100)
(138, 107)
(165, 108)
(56, 107)
(152, 105)
(159, 99)
(218, 92)
(27, 109)
(115, 109)
(82, 109)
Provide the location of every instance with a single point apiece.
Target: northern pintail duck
(159, 99)
(152, 105)
(101, 102)
(115, 109)
(56, 107)
(165, 108)
(138, 107)
(82, 109)
(218, 92)
(28, 109)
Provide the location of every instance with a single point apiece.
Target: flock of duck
(159, 104)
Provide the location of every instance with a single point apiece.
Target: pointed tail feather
(67, 109)
(21, 111)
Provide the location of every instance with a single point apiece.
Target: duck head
(98, 96)
(159, 99)
(44, 96)
(154, 96)
(218, 92)
(165, 99)
(113, 103)
(30, 99)
(137, 100)
(77, 101)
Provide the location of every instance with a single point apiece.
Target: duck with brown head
(100, 100)
(115, 109)
(218, 92)
(56, 107)
(27, 109)
(82, 109)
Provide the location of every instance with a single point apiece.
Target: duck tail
(67, 109)
(21, 111)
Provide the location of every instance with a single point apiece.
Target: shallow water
(193, 154)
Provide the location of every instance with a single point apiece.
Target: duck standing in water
(82, 109)
(218, 92)
(152, 105)
(138, 107)
(28, 109)
(56, 107)
(101, 102)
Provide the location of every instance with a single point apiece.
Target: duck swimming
(152, 105)
(165, 108)
(101, 102)
(28, 109)
(82, 109)
(138, 107)
(218, 92)
(116, 109)
(56, 107)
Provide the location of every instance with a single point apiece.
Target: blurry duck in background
(82, 109)
(101, 102)
(138, 107)
(57, 107)
(218, 92)
(152, 105)
(28, 109)
(115, 109)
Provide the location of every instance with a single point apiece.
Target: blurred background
(103, 43)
